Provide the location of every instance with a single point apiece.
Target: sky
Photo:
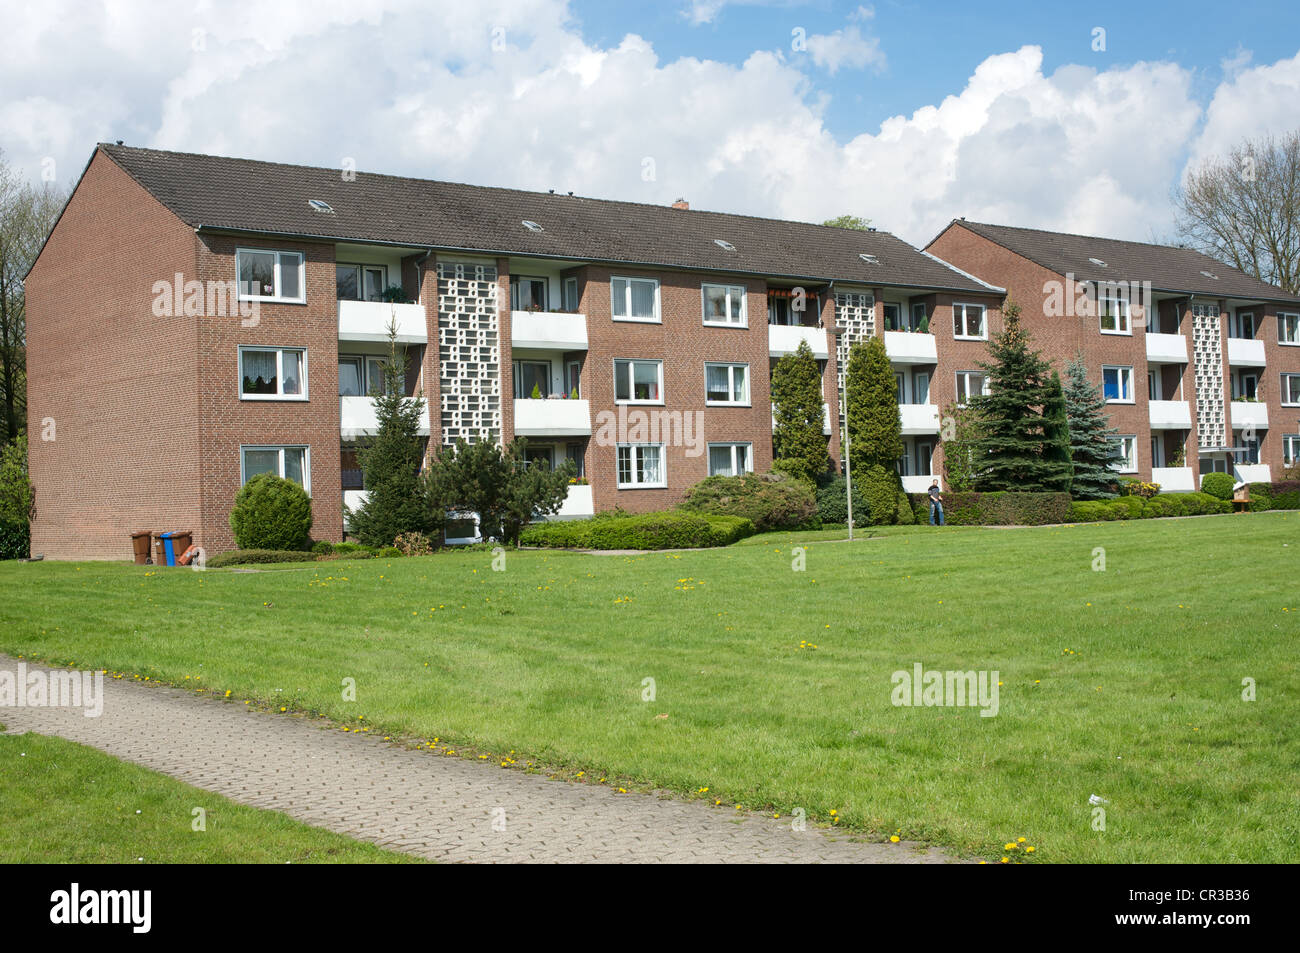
(1077, 117)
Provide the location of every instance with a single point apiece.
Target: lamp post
(848, 469)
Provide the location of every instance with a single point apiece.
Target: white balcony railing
(921, 483)
(1245, 352)
(357, 418)
(1170, 414)
(907, 347)
(784, 339)
(369, 321)
(549, 330)
(552, 417)
(1166, 348)
(1174, 479)
(577, 504)
(919, 418)
(1251, 473)
(1246, 413)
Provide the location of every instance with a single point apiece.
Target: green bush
(1217, 484)
(770, 501)
(248, 557)
(998, 508)
(671, 530)
(389, 552)
(1199, 504)
(322, 547)
(1282, 495)
(353, 548)
(1130, 507)
(1159, 506)
(271, 513)
(881, 489)
(832, 505)
(1118, 510)
(15, 539)
(1089, 511)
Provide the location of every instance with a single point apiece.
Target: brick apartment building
(195, 320)
(1199, 362)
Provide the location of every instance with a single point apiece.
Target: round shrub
(322, 547)
(770, 500)
(1218, 485)
(271, 513)
(389, 552)
(1133, 504)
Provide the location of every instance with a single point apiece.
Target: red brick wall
(118, 383)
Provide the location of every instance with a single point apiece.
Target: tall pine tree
(1056, 448)
(797, 438)
(871, 406)
(1093, 447)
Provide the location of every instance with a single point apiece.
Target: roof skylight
(725, 246)
(320, 205)
(1098, 262)
(869, 259)
(1210, 274)
(532, 226)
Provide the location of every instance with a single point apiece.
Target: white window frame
(631, 381)
(735, 470)
(306, 461)
(1290, 449)
(984, 385)
(731, 384)
(633, 459)
(1235, 326)
(361, 268)
(916, 321)
(1123, 314)
(984, 321)
(1131, 399)
(1283, 318)
(627, 300)
(730, 291)
(1129, 462)
(898, 316)
(1283, 391)
(276, 275)
(279, 373)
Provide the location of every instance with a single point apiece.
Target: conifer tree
(871, 405)
(798, 442)
(1056, 448)
(1093, 448)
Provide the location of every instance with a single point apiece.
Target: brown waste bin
(140, 546)
(159, 550)
(181, 543)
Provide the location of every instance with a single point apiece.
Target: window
(1290, 449)
(573, 452)
(272, 373)
(730, 459)
(360, 282)
(640, 465)
(634, 299)
(924, 458)
(893, 316)
(289, 463)
(573, 378)
(527, 294)
(900, 387)
(724, 304)
(1127, 462)
(1242, 325)
(570, 294)
(726, 383)
(1247, 451)
(970, 384)
(1245, 385)
(968, 322)
(918, 316)
(270, 275)
(1112, 307)
(530, 374)
(1288, 328)
(1291, 389)
(639, 382)
(1117, 384)
(921, 387)
(361, 375)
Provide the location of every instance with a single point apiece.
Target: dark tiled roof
(245, 195)
(1167, 267)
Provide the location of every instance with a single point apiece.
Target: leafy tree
(1244, 209)
(390, 463)
(798, 442)
(1056, 449)
(17, 498)
(1093, 449)
(849, 221)
(497, 485)
(1011, 445)
(871, 404)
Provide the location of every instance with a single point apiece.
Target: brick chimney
(682, 204)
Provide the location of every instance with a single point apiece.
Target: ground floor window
(1291, 449)
(641, 465)
(1127, 454)
(290, 463)
(730, 459)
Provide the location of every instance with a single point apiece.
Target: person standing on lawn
(936, 503)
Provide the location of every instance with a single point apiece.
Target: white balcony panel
(353, 499)
(1166, 348)
(1247, 413)
(1245, 352)
(577, 504)
(907, 347)
(921, 484)
(826, 419)
(369, 321)
(919, 418)
(783, 340)
(357, 418)
(1170, 414)
(552, 418)
(548, 330)
(1174, 479)
(1251, 473)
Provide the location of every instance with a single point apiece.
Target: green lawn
(65, 803)
(1124, 683)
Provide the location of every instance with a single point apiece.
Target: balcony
(1246, 413)
(921, 483)
(784, 339)
(577, 504)
(1166, 348)
(369, 321)
(919, 419)
(1174, 479)
(1251, 473)
(548, 330)
(906, 347)
(1245, 352)
(1170, 415)
(357, 418)
(552, 418)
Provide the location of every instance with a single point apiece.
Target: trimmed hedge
(1197, 504)
(1000, 508)
(248, 557)
(671, 530)
(1217, 484)
(15, 539)
(1166, 504)
(1280, 495)
(769, 501)
(1159, 506)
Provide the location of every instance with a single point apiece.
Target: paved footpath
(437, 806)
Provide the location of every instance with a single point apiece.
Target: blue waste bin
(168, 548)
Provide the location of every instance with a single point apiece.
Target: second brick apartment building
(194, 320)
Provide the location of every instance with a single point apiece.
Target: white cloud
(845, 48)
(1253, 102)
